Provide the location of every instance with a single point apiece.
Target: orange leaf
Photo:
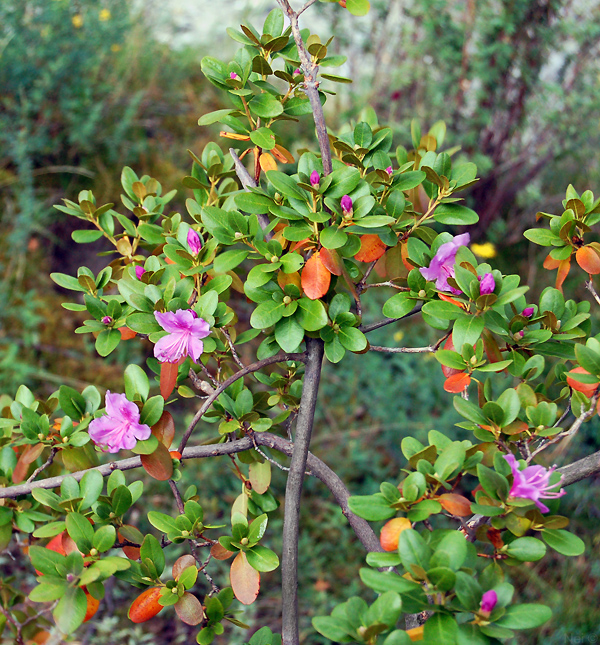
(449, 371)
(588, 389)
(495, 537)
(563, 272)
(451, 300)
(30, 454)
(283, 279)
(331, 261)
(455, 504)
(127, 334)
(302, 244)
(131, 552)
(159, 464)
(315, 277)
(220, 552)
(405, 261)
(145, 606)
(492, 351)
(457, 382)
(390, 533)
(588, 259)
(164, 429)
(168, 378)
(267, 162)
(282, 154)
(550, 263)
(416, 633)
(245, 581)
(234, 135)
(371, 248)
(92, 605)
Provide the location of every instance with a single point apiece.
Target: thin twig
(360, 287)
(234, 353)
(305, 7)
(177, 496)
(590, 287)
(389, 283)
(45, 465)
(411, 350)
(278, 358)
(388, 321)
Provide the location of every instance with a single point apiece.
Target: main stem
(293, 492)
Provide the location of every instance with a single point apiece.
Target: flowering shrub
(303, 247)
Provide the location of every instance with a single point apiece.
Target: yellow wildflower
(104, 15)
(398, 336)
(77, 21)
(115, 48)
(486, 250)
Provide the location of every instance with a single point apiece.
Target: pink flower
(389, 170)
(527, 312)
(106, 320)
(441, 266)
(139, 272)
(233, 76)
(185, 331)
(488, 602)
(120, 427)
(533, 483)
(194, 242)
(314, 179)
(297, 72)
(487, 284)
(346, 204)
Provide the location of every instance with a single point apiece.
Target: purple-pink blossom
(527, 312)
(106, 320)
(389, 170)
(533, 483)
(488, 602)
(120, 427)
(487, 284)
(441, 266)
(184, 337)
(346, 204)
(297, 71)
(139, 272)
(314, 179)
(194, 242)
(233, 76)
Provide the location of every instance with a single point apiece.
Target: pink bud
(487, 284)
(389, 170)
(234, 77)
(139, 272)
(527, 312)
(107, 320)
(314, 179)
(488, 602)
(346, 204)
(194, 242)
(297, 72)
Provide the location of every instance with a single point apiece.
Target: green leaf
(162, 522)
(90, 488)
(468, 591)
(527, 549)
(455, 214)
(228, 260)
(152, 411)
(45, 560)
(136, 382)
(494, 484)
(311, 314)
(371, 507)
(382, 560)
(71, 610)
(385, 610)
(262, 559)
(467, 329)
(333, 238)
(470, 411)
(525, 616)
(398, 306)
(67, 282)
(121, 500)
(588, 359)
(413, 596)
(413, 549)
(107, 341)
(266, 106)
(85, 237)
(333, 628)
(80, 529)
(267, 314)
(398, 637)
(441, 628)
(542, 236)
(72, 403)
(213, 117)
(152, 550)
(263, 138)
(104, 538)
(289, 333)
(285, 185)
(352, 339)
(563, 542)
(358, 7)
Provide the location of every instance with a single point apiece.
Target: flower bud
(346, 204)
(297, 72)
(107, 320)
(488, 602)
(194, 242)
(487, 284)
(233, 76)
(527, 312)
(389, 170)
(139, 272)
(314, 179)
(70, 577)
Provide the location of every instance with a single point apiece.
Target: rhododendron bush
(283, 249)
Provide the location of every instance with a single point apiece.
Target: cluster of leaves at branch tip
(301, 245)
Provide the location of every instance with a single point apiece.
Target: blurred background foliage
(87, 87)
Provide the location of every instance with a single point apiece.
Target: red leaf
(550, 263)
(189, 609)
(164, 429)
(159, 464)
(168, 378)
(455, 504)
(451, 300)
(145, 606)
(457, 382)
(30, 454)
(332, 261)
(371, 248)
(245, 581)
(315, 277)
(588, 260)
(126, 333)
(183, 563)
(449, 371)
(563, 272)
(219, 552)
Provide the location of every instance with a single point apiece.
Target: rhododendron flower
(106, 320)
(346, 204)
(297, 71)
(389, 170)
(139, 272)
(441, 266)
(185, 331)
(120, 427)
(488, 602)
(527, 312)
(533, 483)
(233, 76)
(194, 242)
(314, 179)
(487, 284)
